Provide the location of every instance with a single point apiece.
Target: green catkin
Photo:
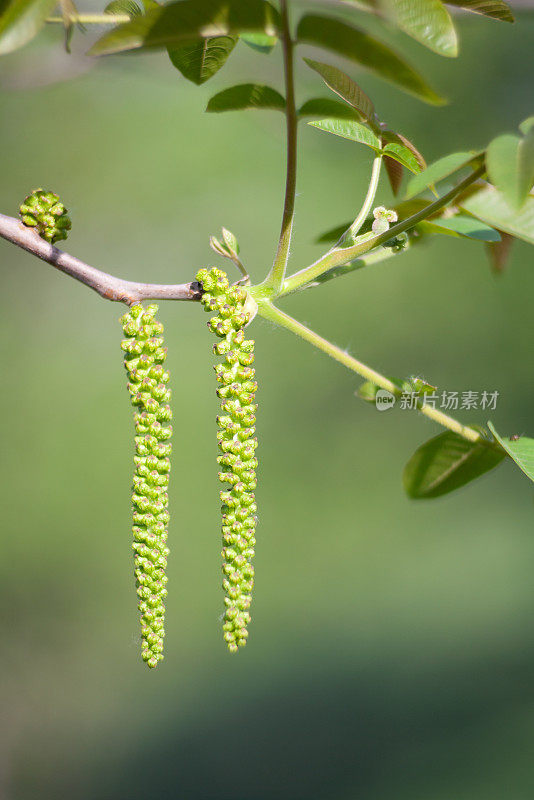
(144, 357)
(237, 388)
(43, 211)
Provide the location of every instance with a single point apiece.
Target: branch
(338, 257)
(274, 314)
(276, 276)
(107, 286)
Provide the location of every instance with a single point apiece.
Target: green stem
(276, 276)
(368, 260)
(337, 256)
(369, 199)
(270, 312)
(94, 19)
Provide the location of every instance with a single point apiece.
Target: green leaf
(262, 42)
(496, 9)
(461, 226)
(403, 155)
(346, 88)
(397, 138)
(326, 107)
(427, 21)
(510, 164)
(488, 205)
(123, 7)
(520, 449)
(527, 126)
(437, 171)
(21, 20)
(446, 463)
(349, 129)
(246, 95)
(370, 53)
(199, 61)
(184, 21)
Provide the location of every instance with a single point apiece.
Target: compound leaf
(21, 20)
(345, 87)
(327, 107)
(185, 21)
(447, 462)
(349, 129)
(427, 21)
(262, 42)
(520, 449)
(510, 164)
(496, 9)
(198, 61)
(436, 171)
(246, 95)
(489, 205)
(463, 226)
(367, 51)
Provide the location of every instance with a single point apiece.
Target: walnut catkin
(144, 357)
(237, 389)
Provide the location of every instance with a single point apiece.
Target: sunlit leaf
(520, 449)
(199, 60)
(463, 226)
(437, 171)
(184, 21)
(448, 462)
(496, 9)
(510, 164)
(428, 21)
(346, 88)
(262, 42)
(489, 205)
(129, 7)
(367, 51)
(393, 137)
(327, 107)
(349, 129)
(403, 155)
(21, 20)
(246, 95)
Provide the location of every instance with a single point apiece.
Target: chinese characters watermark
(447, 401)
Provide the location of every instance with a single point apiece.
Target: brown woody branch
(107, 286)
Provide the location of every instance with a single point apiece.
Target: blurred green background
(391, 654)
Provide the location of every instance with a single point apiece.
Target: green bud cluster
(237, 443)
(44, 211)
(144, 357)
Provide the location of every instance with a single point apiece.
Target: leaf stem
(273, 314)
(276, 276)
(338, 256)
(95, 19)
(369, 200)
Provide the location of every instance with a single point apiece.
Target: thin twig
(277, 273)
(338, 257)
(107, 286)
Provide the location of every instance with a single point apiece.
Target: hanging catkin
(237, 388)
(144, 357)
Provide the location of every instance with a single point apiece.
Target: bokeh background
(391, 654)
